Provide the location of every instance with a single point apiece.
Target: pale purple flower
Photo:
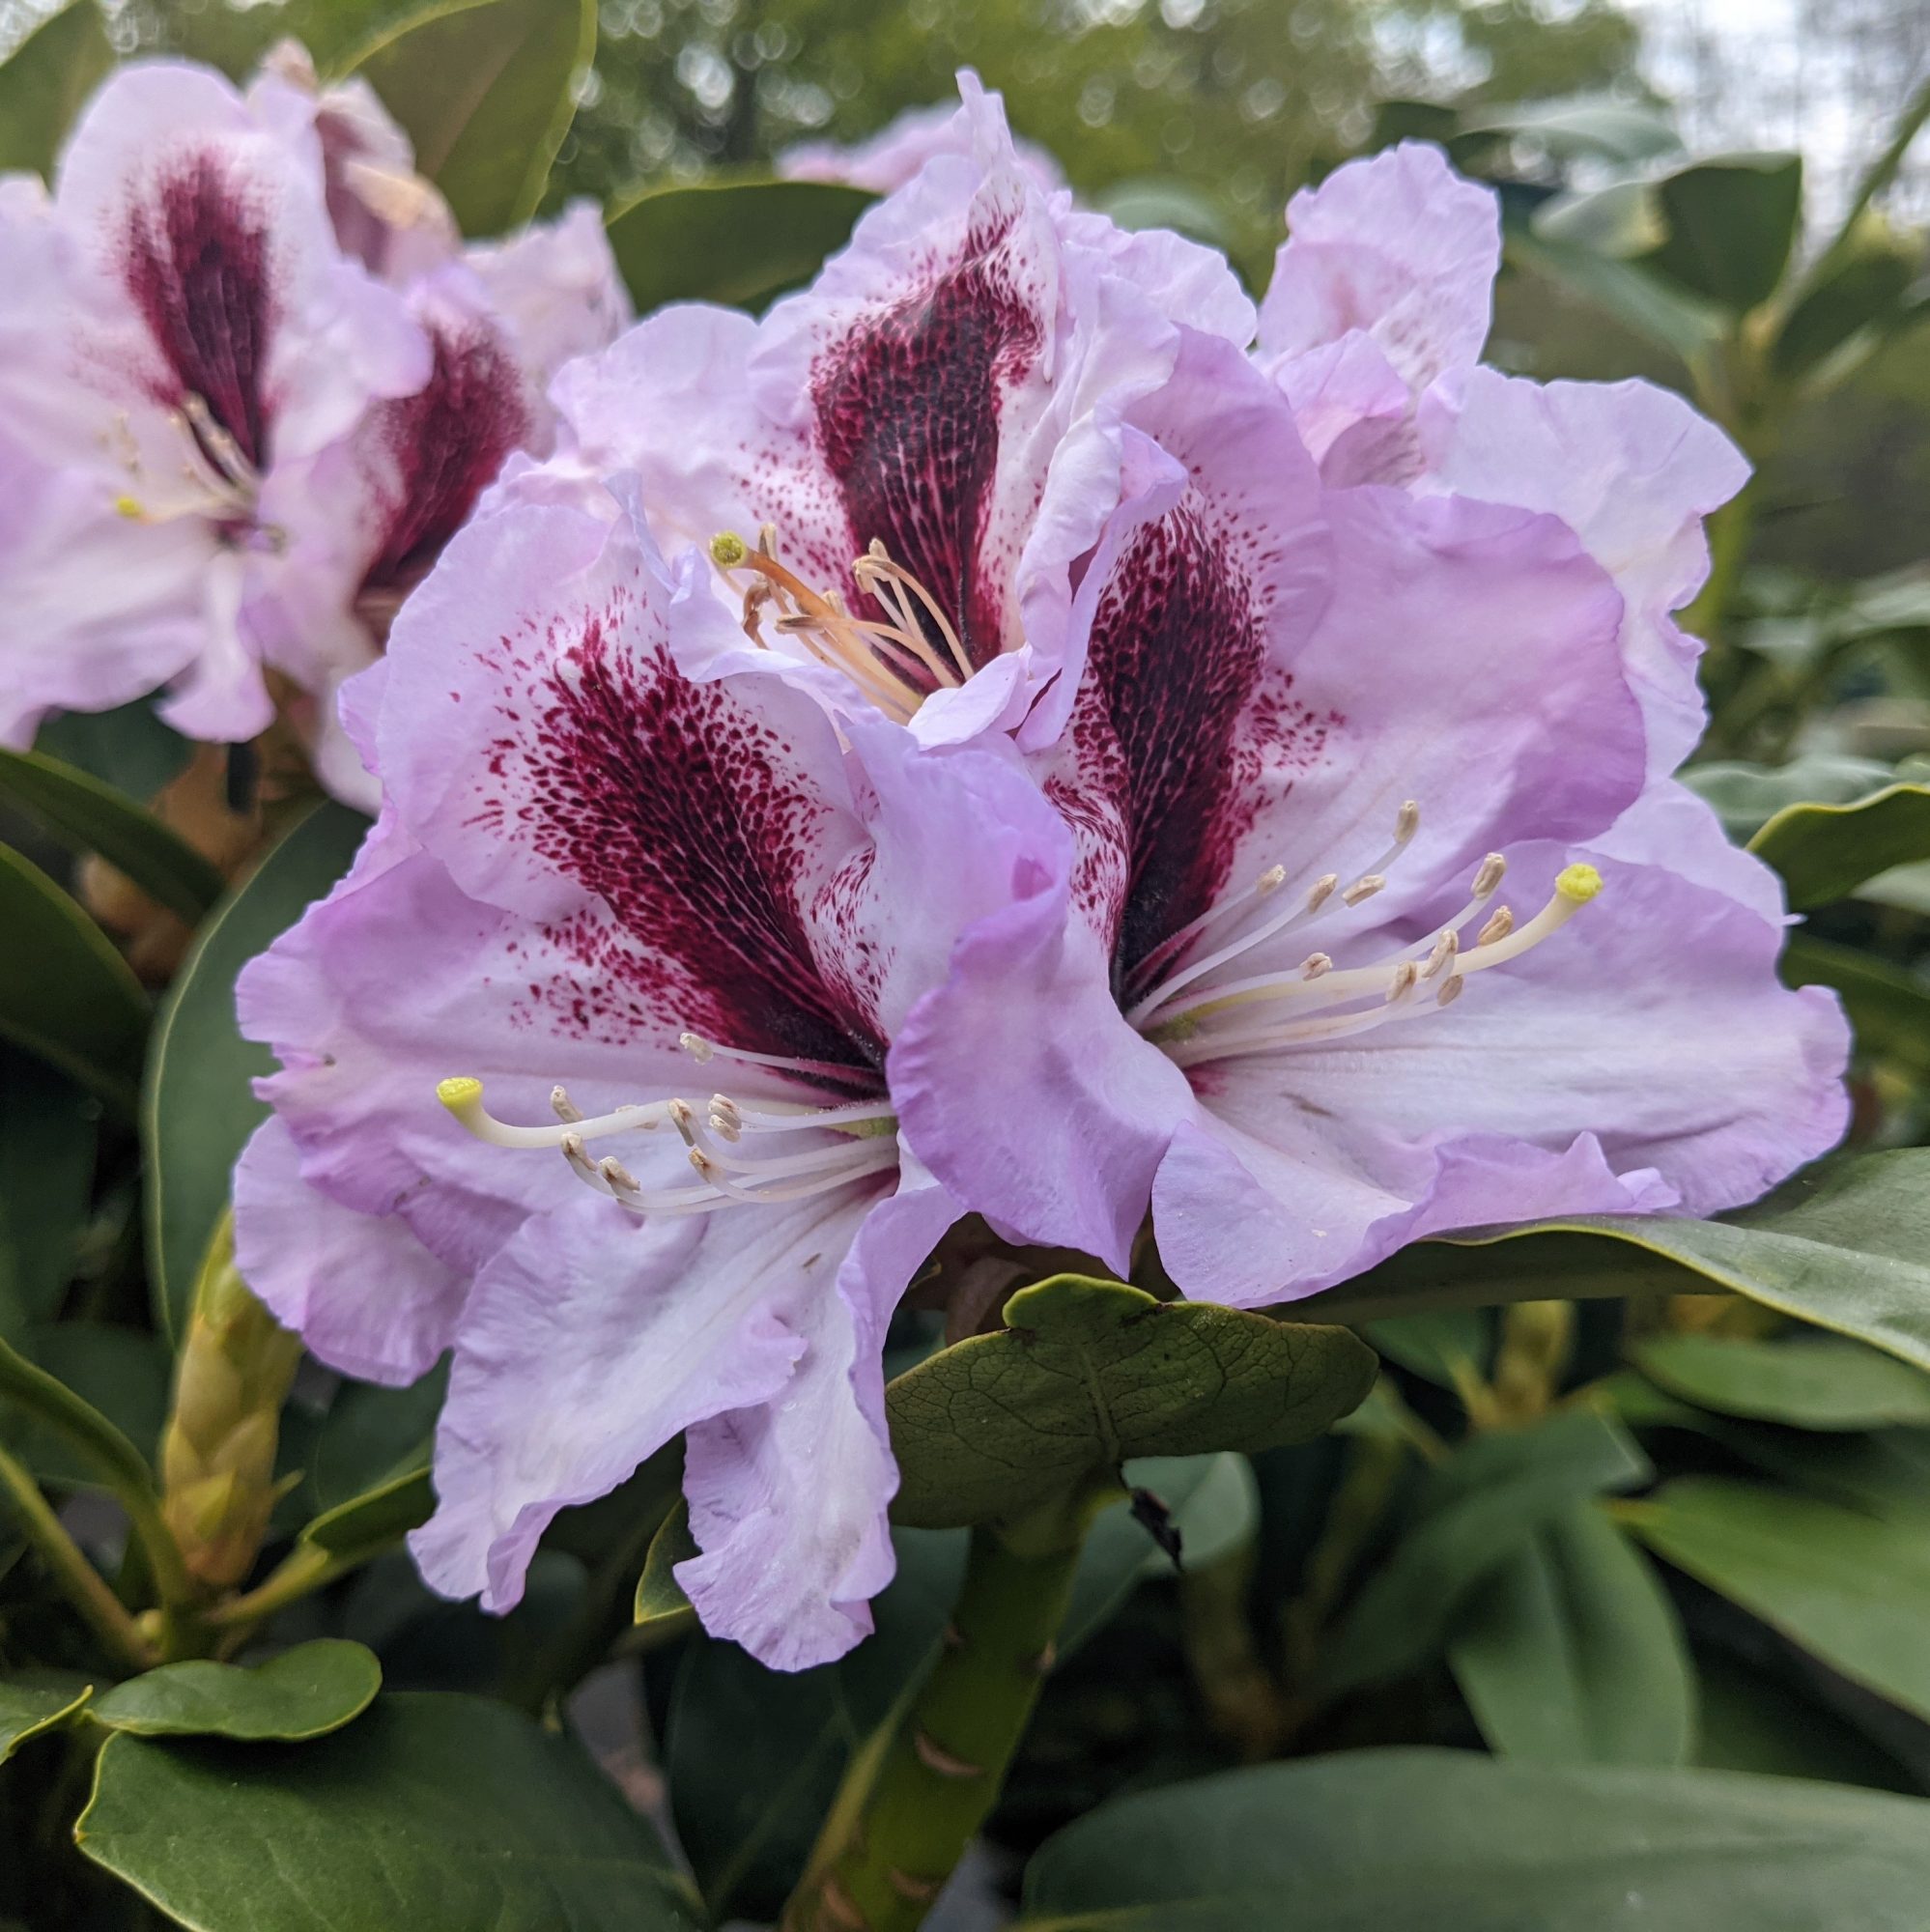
(177, 325)
(249, 339)
(1379, 924)
(887, 160)
(1373, 326)
(907, 451)
(672, 928)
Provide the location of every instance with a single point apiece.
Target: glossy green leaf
(1571, 1651)
(47, 1133)
(1825, 852)
(46, 81)
(30, 1707)
(1863, 290)
(1475, 1511)
(121, 1374)
(1750, 1721)
(305, 1693)
(1089, 1373)
(371, 1435)
(1805, 1382)
(197, 1107)
(1621, 221)
(660, 1597)
(1591, 124)
(1661, 314)
(91, 815)
(1732, 225)
(1163, 201)
(744, 242)
(1445, 1346)
(28, 1391)
(356, 1529)
(128, 748)
(1852, 1588)
(1845, 1245)
(66, 995)
(485, 91)
(1745, 797)
(438, 1813)
(1447, 1841)
(1889, 1007)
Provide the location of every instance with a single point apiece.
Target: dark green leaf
(730, 241)
(1863, 290)
(65, 993)
(1889, 1007)
(1162, 201)
(1731, 226)
(122, 1373)
(1446, 1841)
(1845, 1245)
(1570, 1653)
(1825, 852)
(437, 1813)
(28, 1390)
(1852, 1588)
(1476, 1511)
(1620, 221)
(1625, 291)
(128, 746)
(1748, 1721)
(371, 1435)
(46, 81)
(198, 1109)
(484, 89)
(305, 1693)
(29, 1709)
(1809, 1382)
(1446, 1345)
(1593, 124)
(1745, 797)
(47, 1130)
(371, 1521)
(1089, 1373)
(660, 1597)
(91, 815)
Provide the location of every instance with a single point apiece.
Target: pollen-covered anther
(1407, 821)
(1269, 881)
(1445, 948)
(1487, 880)
(563, 1107)
(1315, 964)
(697, 1046)
(1450, 990)
(1321, 891)
(1500, 924)
(1364, 888)
(1402, 983)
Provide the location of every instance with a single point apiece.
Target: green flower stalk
(217, 1451)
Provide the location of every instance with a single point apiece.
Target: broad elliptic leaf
(45, 81)
(198, 1107)
(354, 1531)
(1444, 1345)
(1889, 1007)
(1429, 1840)
(1745, 797)
(1088, 1372)
(47, 1131)
(744, 242)
(128, 748)
(1844, 1245)
(66, 995)
(1732, 223)
(1571, 1651)
(438, 1813)
(1853, 1589)
(30, 1707)
(1810, 1382)
(1825, 851)
(91, 815)
(371, 1435)
(121, 1374)
(305, 1693)
(485, 91)
(1746, 1720)
(1666, 316)
(1475, 1511)
(1865, 290)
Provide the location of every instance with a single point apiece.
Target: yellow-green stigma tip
(459, 1093)
(727, 550)
(128, 507)
(1580, 883)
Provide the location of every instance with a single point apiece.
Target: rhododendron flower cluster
(1011, 733)
(252, 381)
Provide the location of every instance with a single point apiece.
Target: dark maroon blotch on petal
(441, 448)
(198, 266)
(908, 408)
(678, 807)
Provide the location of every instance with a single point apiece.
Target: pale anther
(1315, 964)
(1489, 877)
(1450, 990)
(563, 1107)
(1402, 983)
(1500, 924)
(1321, 890)
(1445, 949)
(1364, 888)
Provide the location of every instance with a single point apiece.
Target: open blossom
(653, 937)
(277, 382)
(1379, 926)
(1373, 327)
(906, 450)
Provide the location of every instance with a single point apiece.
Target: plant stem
(84, 1585)
(908, 1813)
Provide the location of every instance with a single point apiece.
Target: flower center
(221, 484)
(893, 660)
(744, 1154)
(1316, 999)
